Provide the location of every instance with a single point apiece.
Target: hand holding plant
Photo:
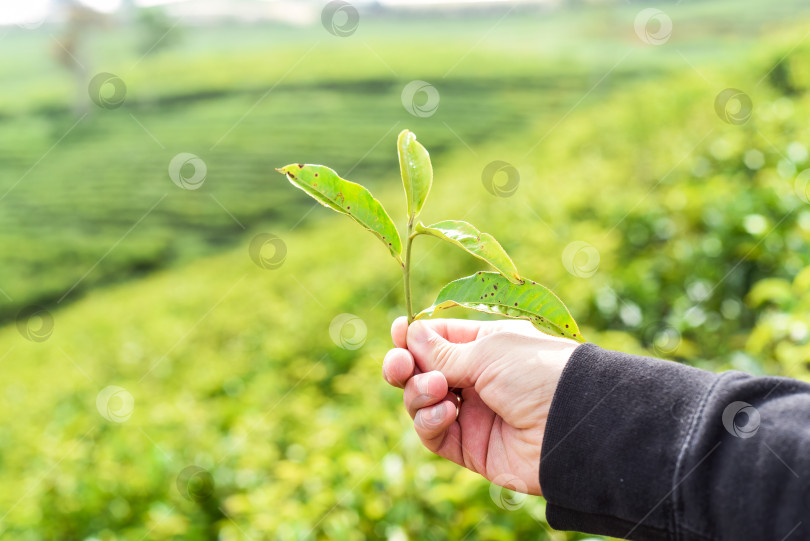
(504, 374)
(479, 392)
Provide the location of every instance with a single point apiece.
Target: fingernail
(423, 384)
(434, 416)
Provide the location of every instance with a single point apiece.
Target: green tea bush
(212, 400)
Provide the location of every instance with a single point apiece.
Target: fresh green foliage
(349, 198)
(302, 439)
(188, 96)
(492, 293)
(416, 171)
(481, 245)
(782, 334)
(509, 294)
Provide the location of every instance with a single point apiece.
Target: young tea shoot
(505, 292)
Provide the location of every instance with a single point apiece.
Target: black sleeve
(641, 448)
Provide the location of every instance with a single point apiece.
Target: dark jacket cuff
(615, 430)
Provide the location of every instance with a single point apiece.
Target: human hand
(504, 374)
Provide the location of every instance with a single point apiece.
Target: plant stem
(406, 272)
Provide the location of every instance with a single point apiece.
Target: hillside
(230, 368)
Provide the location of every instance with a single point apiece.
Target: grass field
(230, 368)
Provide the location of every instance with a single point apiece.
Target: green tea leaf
(349, 198)
(490, 292)
(481, 245)
(417, 172)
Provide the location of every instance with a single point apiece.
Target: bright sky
(31, 13)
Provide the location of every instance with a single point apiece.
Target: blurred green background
(158, 383)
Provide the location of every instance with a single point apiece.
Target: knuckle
(495, 341)
(504, 335)
(442, 355)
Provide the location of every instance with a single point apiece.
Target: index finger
(399, 330)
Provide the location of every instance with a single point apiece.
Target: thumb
(432, 351)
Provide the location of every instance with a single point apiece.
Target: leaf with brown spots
(349, 198)
(481, 245)
(492, 293)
